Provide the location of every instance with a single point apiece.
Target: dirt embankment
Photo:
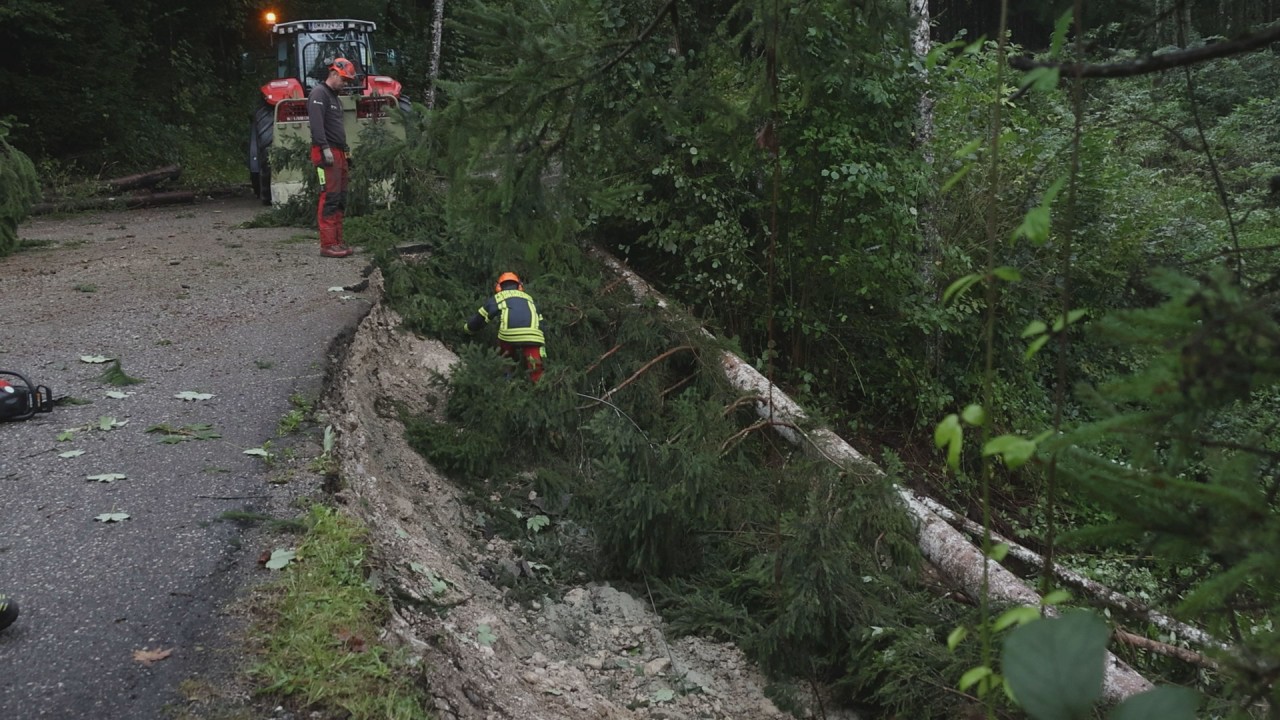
(595, 653)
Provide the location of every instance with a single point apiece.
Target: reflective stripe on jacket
(520, 322)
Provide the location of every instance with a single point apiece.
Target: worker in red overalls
(329, 155)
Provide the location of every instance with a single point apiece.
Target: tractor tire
(264, 183)
(8, 612)
(261, 131)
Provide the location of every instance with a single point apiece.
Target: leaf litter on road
(194, 431)
(105, 477)
(112, 517)
(146, 656)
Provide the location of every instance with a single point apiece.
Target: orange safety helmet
(508, 277)
(344, 68)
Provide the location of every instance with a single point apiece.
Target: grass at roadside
(319, 628)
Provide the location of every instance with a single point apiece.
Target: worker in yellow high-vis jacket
(520, 325)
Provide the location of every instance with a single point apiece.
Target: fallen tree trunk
(1070, 578)
(119, 203)
(141, 180)
(950, 551)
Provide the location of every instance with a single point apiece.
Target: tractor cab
(303, 51)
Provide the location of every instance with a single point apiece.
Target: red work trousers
(532, 357)
(333, 195)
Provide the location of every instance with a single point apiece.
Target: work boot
(336, 251)
(8, 612)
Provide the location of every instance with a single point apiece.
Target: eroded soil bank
(595, 652)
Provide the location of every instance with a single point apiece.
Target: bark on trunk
(1070, 578)
(931, 250)
(437, 29)
(944, 546)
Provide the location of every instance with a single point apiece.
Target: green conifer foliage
(19, 190)
(651, 471)
(1183, 463)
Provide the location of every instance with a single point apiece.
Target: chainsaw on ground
(20, 400)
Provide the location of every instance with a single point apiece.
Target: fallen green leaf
(71, 454)
(112, 517)
(116, 394)
(192, 395)
(260, 452)
(280, 559)
(485, 636)
(105, 477)
(95, 359)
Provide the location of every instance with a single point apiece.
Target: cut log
(141, 180)
(114, 203)
(958, 560)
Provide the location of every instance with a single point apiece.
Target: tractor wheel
(264, 183)
(260, 139)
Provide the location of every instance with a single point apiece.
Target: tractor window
(319, 50)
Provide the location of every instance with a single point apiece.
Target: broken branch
(1156, 63)
(603, 357)
(1159, 648)
(645, 367)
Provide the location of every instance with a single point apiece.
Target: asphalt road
(188, 301)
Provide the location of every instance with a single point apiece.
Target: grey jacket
(325, 112)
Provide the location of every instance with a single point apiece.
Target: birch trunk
(931, 250)
(437, 30)
(956, 558)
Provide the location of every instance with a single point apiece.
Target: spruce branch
(643, 36)
(678, 385)
(645, 367)
(603, 357)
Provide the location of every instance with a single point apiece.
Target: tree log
(1070, 578)
(141, 180)
(950, 551)
(114, 203)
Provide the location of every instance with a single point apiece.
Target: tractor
(303, 51)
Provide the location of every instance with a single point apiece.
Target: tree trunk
(1096, 590)
(931, 239)
(950, 551)
(123, 202)
(146, 179)
(437, 29)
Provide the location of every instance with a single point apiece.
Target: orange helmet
(508, 277)
(344, 68)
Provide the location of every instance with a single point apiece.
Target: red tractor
(303, 51)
